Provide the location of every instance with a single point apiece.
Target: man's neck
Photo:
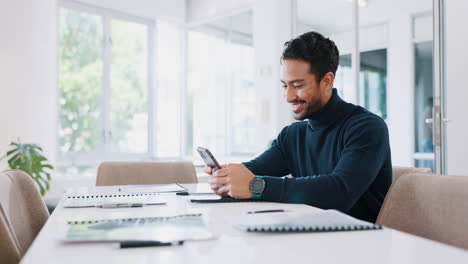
(328, 96)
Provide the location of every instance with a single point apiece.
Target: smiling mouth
(298, 107)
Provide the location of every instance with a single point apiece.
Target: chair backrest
(9, 252)
(398, 171)
(23, 210)
(124, 173)
(429, 205)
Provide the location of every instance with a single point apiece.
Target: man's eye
(284, 86)
(298, 86)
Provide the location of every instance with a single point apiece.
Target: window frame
(93, 158)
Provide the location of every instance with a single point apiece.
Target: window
(80, 71)
(104, 86)
(115, 105)
(373, 79)
(221, 95)
(128, 87)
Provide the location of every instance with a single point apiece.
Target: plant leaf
(11, 152)
(29, 158)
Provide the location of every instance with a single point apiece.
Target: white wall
(456, 89)
(400, 89)
(28, 73)
(272, 27)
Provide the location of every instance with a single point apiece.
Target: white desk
(233, 245)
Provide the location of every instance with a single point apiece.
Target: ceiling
(333, 16)
(241, 23)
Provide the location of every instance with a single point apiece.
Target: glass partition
(221, 96)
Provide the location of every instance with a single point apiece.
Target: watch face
(257, 185)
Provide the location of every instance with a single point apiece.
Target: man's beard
(313, 107)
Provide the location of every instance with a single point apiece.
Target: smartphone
(209, 158)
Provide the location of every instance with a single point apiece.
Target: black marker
(135, 244)
(267, 211)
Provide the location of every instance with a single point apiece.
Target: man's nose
(290, 94)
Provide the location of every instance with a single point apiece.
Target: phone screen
(208, 158)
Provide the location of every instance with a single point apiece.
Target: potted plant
(30, 159)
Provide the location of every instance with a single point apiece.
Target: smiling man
(338, 155)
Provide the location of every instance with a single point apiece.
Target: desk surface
(233, 245)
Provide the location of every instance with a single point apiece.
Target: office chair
(9, 252)
(124, 173)
(397, 172)
(429, 205)
(23, 214)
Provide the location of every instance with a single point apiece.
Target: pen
(134, 244)
(120, 205)
(195, 193)
(267, 211)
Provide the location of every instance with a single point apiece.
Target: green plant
(30, 159)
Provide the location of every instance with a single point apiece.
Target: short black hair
(320, 52)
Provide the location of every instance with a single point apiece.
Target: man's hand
(215, 187)
(233, 179)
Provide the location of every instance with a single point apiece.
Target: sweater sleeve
(272, 162)
(365, 147)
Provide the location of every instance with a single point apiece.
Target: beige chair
(399, 171)
(9, 252)
(124, 173)
(23, 214)
(429, 205)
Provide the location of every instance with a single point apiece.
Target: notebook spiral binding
(309, 228)
(143, 219)
(110, 195)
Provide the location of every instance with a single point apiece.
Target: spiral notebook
(170, 228)
(96, 200)
(324, 221)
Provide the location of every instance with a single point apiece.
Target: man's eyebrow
(297, 80)
(293, 81)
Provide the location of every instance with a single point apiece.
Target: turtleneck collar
(333, 111)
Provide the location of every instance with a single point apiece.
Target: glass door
(423, 105)
(452, 112)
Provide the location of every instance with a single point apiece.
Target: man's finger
(215, 187)
(208, 170)
(221, 172)
(224, 189)
(234, 165)
(218, 180)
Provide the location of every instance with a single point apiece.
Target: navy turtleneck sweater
(339, 159)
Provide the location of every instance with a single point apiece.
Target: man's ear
(327, 81)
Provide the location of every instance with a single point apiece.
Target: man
(339, 156)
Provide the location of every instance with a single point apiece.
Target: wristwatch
(257, 185)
